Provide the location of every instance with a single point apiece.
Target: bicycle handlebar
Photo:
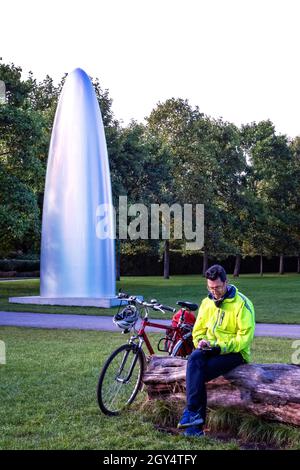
(169, 309)
(123, 295)
(154, 306)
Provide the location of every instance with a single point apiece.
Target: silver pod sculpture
(75, 261)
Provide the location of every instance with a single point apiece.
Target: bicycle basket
(127, 317)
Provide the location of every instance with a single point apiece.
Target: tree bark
(261, 267)
(237, 266)
(281, 264)
(167, 260)
(205, 263)
(271, 391)
(298, 265)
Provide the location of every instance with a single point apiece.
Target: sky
(235, 59)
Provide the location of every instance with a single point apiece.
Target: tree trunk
(271, 391)
(205, 262)
(237, 266)
(261, 267)
(167, 260)
(281, 264)
(118, 259)
(298, 265)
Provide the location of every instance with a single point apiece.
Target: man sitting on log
(222, 336)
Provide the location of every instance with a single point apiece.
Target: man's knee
(197, 357)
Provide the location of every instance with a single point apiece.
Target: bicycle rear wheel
(120, 379)
(183, 348)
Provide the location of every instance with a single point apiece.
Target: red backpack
(189, 318)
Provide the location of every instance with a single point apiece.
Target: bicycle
(121, 377)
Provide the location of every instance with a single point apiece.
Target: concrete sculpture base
(105, 302)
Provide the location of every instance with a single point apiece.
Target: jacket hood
(229, 295)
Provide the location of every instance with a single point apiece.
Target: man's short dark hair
(215, 272)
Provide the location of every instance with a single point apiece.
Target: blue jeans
(201, 369)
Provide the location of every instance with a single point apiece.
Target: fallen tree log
(271, 391)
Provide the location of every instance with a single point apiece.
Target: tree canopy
(248, 178)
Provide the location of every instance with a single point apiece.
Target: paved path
(10, 279)
(89, 322)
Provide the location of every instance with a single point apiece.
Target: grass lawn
(48, 394)
(276, 298)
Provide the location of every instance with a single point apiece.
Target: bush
(149, 264)
(21, 266)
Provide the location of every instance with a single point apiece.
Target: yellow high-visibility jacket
(231, 326)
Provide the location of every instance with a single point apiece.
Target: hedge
(152, 265)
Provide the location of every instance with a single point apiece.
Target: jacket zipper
(214, 328)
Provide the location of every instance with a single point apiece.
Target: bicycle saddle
(188, 305)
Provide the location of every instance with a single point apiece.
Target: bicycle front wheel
(120, 379)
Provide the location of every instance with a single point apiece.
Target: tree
(270, 180)
(295, 200)
(22, 132)
(140, 170)
(26, 120)
(206, 166)
(19, 215)
(228, 178)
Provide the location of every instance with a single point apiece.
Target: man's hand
(203, 344)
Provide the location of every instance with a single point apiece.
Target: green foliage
(164, 413)
(206, 166)
(270, 186)
(248, 429)
(19, 215)
(248, 179)
(26, 120)
(22, 164)
(251, 429)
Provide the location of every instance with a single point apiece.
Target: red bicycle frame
(143, 334)
(171, 331)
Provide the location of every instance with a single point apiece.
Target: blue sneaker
(194, 431)
(190, 418)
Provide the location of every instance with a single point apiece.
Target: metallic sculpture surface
(75, 261)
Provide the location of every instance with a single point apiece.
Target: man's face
(217, 288)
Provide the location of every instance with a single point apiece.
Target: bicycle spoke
(121, 376)
(118, 388)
